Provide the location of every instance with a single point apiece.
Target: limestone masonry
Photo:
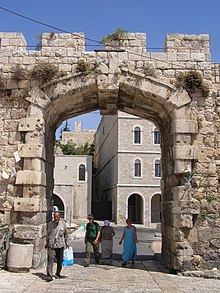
(177, 90)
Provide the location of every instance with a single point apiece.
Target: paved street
(146, 275)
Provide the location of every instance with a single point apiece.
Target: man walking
(92, 240)
(57, 238)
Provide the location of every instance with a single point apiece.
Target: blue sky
(99, 18)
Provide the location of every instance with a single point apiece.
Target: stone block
(185, 126)
(27, 232)
(180, 98)
(31, 178)
(29, 205)
(32, 151)
(185, 152)
(34, 191)
(180, 166)
(28, 124)
(183, 220)
(182, 248)
(33, 165)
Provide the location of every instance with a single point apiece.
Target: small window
(157, 171)
(156, 136)
(137, 168)
(82, 172)
(137, 135)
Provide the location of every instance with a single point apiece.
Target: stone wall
(127, 78)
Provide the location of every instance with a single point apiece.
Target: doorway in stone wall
(143, 98)
(58, 205)
(135, 208)
(156, 208)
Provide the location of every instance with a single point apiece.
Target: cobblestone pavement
(144, 276)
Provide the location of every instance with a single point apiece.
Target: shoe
(58, 276)
(86, 265)
(132, 262)
(124, 263)
(49, 278)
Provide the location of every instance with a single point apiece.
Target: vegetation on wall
(39, 44)
(44, 72)
(84, 66)
(192, 82)
(19, 73)
(118, 35)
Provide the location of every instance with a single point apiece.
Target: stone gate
(178, 90)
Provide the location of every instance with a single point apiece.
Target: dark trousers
(52, 253)
(89, 245)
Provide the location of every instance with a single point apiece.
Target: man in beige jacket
(57, 239)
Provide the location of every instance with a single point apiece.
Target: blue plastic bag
(68, 259)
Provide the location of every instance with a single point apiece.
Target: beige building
(73, 186)
(73, 177)
(127, 162)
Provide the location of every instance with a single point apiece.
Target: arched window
(156, 136)
(137, 135)
(157, 172)
(82, 172)
(137, 168)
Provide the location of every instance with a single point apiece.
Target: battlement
(75, 42)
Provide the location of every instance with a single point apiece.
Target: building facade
(127, 164)
(73, 186)
(72, 193)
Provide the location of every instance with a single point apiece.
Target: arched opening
(142, 97)
(58, 205)
(156, 208)
(135, 208)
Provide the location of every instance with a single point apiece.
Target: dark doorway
(156, 208)
(135, 208)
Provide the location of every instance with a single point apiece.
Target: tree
(66, 127)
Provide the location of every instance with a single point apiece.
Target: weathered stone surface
(32, 151)
(31, 178)
(189, 126)
(29, 205)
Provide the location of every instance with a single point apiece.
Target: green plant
(209, 198)
(44, 72)
(203, 214)
(39, 44)
(191, 81)
(71, 148)
(118, 35)
(52, 35)
(83, 66)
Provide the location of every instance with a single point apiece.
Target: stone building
(177, 89)
(72, 192)
(127, 164)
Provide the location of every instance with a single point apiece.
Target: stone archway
(117, 80)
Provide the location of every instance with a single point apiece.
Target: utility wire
(85, 38)
(45, 24)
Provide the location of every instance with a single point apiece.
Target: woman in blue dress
(129, 246)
